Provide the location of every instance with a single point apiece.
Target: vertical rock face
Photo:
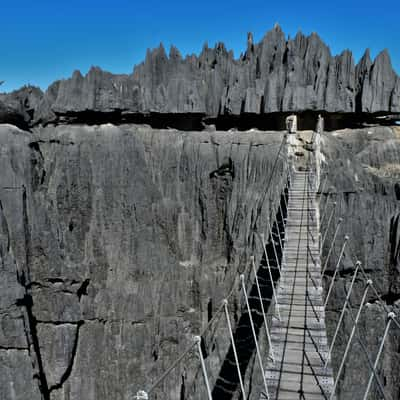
(116, 247)
(19, 107)
(275, 75)
(364, 172)
(379, 84)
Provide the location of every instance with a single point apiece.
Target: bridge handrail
(392, 317)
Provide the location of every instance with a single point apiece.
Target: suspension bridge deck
(299, 341)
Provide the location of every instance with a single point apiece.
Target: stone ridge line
(275, 75)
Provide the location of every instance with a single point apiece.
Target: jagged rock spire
(275, 75)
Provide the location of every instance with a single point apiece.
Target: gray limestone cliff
(117, 245)
(363, 178)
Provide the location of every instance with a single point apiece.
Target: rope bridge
(284, 301)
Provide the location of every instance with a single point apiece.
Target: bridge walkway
(299, 338)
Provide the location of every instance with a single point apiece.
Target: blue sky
(45, 40)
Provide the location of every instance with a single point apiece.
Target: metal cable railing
(370, 286)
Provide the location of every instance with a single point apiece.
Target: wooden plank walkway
(299, 339)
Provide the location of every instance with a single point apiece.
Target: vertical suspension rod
(328, 226)
(369, 283)
(228, 321)
(270, 277)
(203, 366)
(332, 244)
(358, 263)
(391, 316)
(254, 335)
(263, 311)
(336, 271)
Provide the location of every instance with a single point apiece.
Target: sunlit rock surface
(277, 74)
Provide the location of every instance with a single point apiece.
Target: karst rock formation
(120, 235)
(275, 75)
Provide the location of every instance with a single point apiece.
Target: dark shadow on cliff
(199, 121)
(228, 379)
(180, 121)
(306, 120)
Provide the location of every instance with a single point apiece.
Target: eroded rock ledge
(275, 75)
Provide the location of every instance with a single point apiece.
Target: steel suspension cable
(203, 366)
(325, 209)
(336, 271)
(263, 312)
(378, 356)
(329, 224)
(269, 181)
(342, 313)
(332, 244)
(377, 294)
(228, 320)
(260, 362)
(367, 286)
(366, 353)
(273, 245)
(270, 276)
(173, 365)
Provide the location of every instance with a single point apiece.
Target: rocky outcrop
(363, 174)
(275, 75)
(117, 245)
(18, 107)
